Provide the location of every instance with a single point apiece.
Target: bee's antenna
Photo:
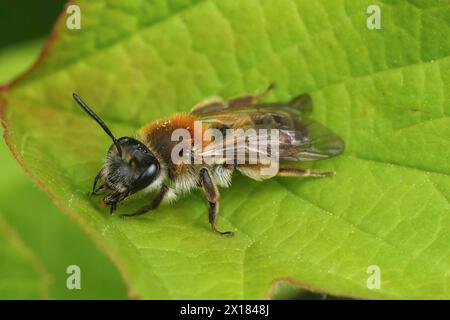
(99, 121)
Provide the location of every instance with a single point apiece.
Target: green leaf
(384, 91)
(56, 241)
(32, 219)
(17, 58)
(23, 275)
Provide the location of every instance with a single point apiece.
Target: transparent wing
(214, 107)
(310, 141)
(299, 139)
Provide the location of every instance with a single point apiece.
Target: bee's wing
(309, 141)
(213, 107)
(300, 139)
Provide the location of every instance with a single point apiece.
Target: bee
(144, 162)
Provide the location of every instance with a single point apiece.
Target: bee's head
(129, 167)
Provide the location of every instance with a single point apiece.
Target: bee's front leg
(94, 186)
(98, 190)
(153, 206)
(212, 195)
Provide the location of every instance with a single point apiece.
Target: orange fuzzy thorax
(157, 135)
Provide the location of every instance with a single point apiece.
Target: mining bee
(146, 161)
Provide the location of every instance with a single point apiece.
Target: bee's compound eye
(147, 176)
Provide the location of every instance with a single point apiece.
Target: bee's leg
(302, 172)
(97, 177)
(212, 195)
(96, 191)
(153, 206)
(114, 199)
(213, 104)
(249, 100)
(216, 104)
